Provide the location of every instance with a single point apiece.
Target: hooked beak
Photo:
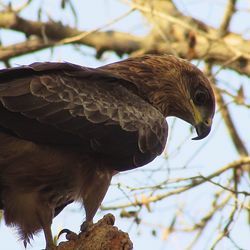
(202, 129)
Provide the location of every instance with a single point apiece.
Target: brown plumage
(65, 130)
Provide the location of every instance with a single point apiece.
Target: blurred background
(196, 195)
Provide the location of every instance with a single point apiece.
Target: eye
(200, 97)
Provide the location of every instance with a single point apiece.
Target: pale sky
(202, 157)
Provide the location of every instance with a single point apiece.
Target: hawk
(65, 130)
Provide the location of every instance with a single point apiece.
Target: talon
(85, 225)
(69, 234)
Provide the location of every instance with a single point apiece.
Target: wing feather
(23, 103)
(90, 108)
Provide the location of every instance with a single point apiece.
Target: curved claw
(69, 234)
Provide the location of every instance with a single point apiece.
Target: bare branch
(230, 9)
(239, 145)
(202, 41)
(233, 165)
(53, 34)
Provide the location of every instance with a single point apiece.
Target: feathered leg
(46, 221)
(94, 193)
(95, 183)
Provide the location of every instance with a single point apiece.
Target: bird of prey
(65, 130)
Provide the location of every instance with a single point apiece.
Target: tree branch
(195, 182)
(190, 38)
(230, 9)
(51, 34)
(99, 236)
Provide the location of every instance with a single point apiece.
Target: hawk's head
(172, 85)
(188, 95)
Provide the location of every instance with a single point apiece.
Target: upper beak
(202, 129)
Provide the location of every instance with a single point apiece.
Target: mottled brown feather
(65, 130)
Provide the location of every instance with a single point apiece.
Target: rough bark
(172, 32)
(102, 235)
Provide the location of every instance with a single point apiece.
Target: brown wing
(71, 106)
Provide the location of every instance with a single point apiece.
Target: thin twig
(230, 10)
(226, 188)
(156, 198)
(85, 34)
